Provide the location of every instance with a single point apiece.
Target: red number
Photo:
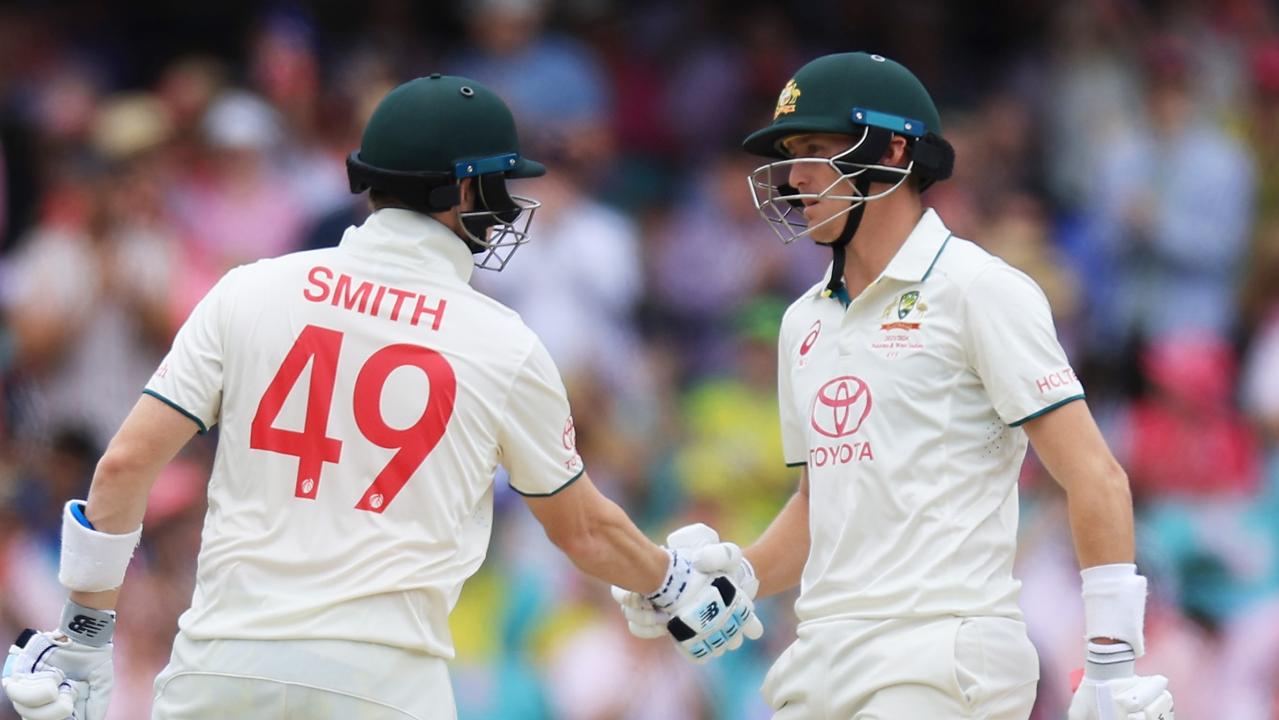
(313, 447)
(412, 443)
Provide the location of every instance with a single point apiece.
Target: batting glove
(714, 609)
(700, 543)
(64, 674)
(1110, 690)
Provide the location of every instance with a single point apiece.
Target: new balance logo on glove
(86, 625)
(709, 613)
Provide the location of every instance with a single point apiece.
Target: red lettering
(314, 278)
(866, 453)
(1042, 384)
(400, 297)
(437, 312)
(377, 299)
(343, 290)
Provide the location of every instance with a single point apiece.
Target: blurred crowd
(1125, 154)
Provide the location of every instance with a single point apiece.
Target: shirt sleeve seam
(187, 413)
(566, 483)
(1046, 410)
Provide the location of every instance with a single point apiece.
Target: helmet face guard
(499, 224)
(782, 205)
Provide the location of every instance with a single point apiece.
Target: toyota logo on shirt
(841, 406)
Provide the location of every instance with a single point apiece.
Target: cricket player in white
(365, 396)
(909, 384)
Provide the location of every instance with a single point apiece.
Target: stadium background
(1123, 153)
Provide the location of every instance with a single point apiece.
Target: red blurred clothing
(1186, 437)
(1177, 452)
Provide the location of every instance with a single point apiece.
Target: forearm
(116, 505)
(778, 556)
(607, 545)
(1101, 520)
(150, 437)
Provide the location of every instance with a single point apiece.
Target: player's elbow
(119, 466)
(1107, 482)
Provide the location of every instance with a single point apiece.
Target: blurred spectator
(1185, 437)
(732, 436)
(1170, 215)
(237, 206)
(577, 282)
(714, 253)
(87, 295)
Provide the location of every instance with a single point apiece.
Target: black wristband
(87, 626)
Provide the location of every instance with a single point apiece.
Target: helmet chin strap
(839, 248)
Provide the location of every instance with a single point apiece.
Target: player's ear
(466, 194)
(897, 154)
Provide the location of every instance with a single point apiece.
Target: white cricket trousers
(975, 668)
(300, 680)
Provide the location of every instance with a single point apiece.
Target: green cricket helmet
(428, 135)
(867, 97)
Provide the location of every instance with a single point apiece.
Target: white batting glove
(713, 557)
(711, 620)
(700, 543)
(708, 618)
(1111, 691)
(64, 674)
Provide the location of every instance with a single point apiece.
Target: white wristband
(678, 573)
(92, 561)
(1115, 604)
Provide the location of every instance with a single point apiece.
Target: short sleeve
(537, 438)
(189, 378)
(1013, 346)
(794, 444)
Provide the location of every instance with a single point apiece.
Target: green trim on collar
(798, 464)
(936, 257)
(190, 416)
(1046, 410)
(553, 492)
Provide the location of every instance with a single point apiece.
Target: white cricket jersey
(905, 408)
(365, 395)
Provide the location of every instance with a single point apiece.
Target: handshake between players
(707, 601)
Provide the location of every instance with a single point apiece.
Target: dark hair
(379, 199)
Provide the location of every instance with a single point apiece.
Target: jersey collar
(398, 233)
(917, 256)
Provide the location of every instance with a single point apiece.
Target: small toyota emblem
(841, 406)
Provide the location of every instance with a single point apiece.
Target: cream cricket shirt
(905, 407)
(365, 395)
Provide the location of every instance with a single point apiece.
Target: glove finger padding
(1135, 698)
(691, 537)
(642, 619)
(42, 695)
(717, 558)
(1141, 694)
(713, 620)
(84, 675)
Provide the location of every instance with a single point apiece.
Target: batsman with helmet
(911, 379)
(365, 396)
